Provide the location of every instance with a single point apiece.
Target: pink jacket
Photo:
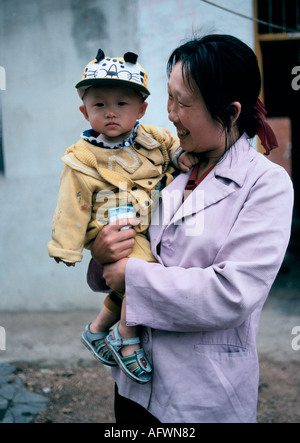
(201, 303)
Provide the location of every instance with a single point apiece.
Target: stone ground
(47, 375)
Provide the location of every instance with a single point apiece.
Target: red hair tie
(265, 132)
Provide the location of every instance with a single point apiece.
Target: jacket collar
(235, 164)
(216, 186)
(95, 139)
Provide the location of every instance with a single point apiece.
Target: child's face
(113, 111)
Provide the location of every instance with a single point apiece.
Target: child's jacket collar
(94, 138)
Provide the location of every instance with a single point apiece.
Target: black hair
(225, 70)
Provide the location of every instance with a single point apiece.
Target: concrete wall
(44, 46)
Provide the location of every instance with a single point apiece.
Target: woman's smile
(182, 133)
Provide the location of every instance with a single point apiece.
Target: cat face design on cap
(114, 68)
(115, 71)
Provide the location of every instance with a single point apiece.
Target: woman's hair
(225, 70)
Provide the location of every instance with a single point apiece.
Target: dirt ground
(279, 392)
(77, 394)
(85, 394)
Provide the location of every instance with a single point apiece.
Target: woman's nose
(172, 111)
(172, 114)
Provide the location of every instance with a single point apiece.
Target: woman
(218, 249)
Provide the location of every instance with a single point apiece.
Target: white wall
(44, 46)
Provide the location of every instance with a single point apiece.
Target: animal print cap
(114, 71)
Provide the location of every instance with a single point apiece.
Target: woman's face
(197, 131)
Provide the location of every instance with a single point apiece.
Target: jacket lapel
(202, 197)
(216, 186)
(170, 202)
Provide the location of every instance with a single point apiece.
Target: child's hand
(187, 160)
(58, 260)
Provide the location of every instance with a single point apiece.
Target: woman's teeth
(182, 133)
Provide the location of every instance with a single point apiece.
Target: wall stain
(89, 26)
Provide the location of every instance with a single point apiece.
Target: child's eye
(99, 105)
(122, 103)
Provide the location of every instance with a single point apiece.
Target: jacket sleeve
(224, 294)
(173, 147)
(95, 278)
(71, 217)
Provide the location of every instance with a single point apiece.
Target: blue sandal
(135, 366)
(99, 350)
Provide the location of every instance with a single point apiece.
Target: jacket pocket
(222, 351)
(230, 374)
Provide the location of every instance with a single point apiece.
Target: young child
(118, 166)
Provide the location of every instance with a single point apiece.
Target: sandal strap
(135, 366)
(143, 361)
(119, 342)
(102, 350)
(137, 363)
(94, 337)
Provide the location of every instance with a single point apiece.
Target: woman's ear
(84, 112)
(235, 111)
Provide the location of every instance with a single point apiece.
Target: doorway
(282, 101)
(277, 42)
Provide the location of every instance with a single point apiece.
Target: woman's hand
(114, 275)
(111, 244)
